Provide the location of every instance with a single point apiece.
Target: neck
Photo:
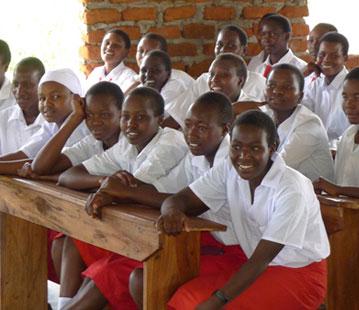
(30, 115)
(2, 79)
(329, 79)
(281, 116)
(275, 57)
(254, 183)
(210, 157)
(110, 67)
(111, 141)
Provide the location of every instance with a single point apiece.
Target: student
(153, 41)
(6, 97)
(115, 47)
(55, 92)
(347, 156)
(101, 109)
(146, 150)
(303, 139)
(20, 121)
(324, 95)
(274, 36)
(231, 39)
(277, 220)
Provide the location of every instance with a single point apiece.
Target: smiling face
(138, 122)
(250, 153)
(113, 50)
(54, 102)
(351, 100)
(228, 42)
(153, 72)
(223, 78)
(331, 58)
(144, 46)
(283, 91)
(103, 118)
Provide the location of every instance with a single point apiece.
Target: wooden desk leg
(176, 263)
(343, 262)
(23, 264)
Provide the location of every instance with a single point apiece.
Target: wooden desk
(28, 208)
(342, 216)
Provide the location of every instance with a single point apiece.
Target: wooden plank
(23, 264)
(333, 217)
(166, 270)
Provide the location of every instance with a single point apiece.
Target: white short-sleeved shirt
(83, 150)
(186, 79)
(347, 159)
(7, 98)
(285, 210)
(288, 58)
(326, 101)
(304, 143)
(44, 134)
(122, 75)
(161, 154)
(190, 169)
(256, 61)
(14, 132)
(253, 90)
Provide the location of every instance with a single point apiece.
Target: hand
(171, 222)
(324, 185)
(26, 172)
(212, 303)
(312, 67)
(126, 178)
(95, 202)
(78, 107)
(113, 186)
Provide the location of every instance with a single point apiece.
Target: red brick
(274, 1)
(179, 66)
(117, 1)
(298, 45)
(294, 11)
(208, 49)
(133, 31)
(352, 62)
(182, 12)
(300, 29)
(89, 1)
(132, 64)
(249, 31)
(306, 57)
(94, 37)
(198, 31)
(219, 13)
(107, 16)
(197, 69)
(169, 32)
(253, 49)
(182, 49)
(90, 52)
(139, 14)
(132, 52)
(253, 12)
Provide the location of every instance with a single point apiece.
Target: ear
(300, 97)
(160, 120)
(287, 36)
(226, 128)
(241, 81)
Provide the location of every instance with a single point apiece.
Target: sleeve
(211, 188)
(104, 163)
(166, 155)
(308, 99)
(80, 151)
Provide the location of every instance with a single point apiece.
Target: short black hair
(327, 26)
(218, 102)
(236, 60)
(157, 37)
(282, 21)
(124, 36)
(353, 74)
(336, 37)
(151, 95)
(242, 35)
(163, 56)
(261, 120)
(31, 63)
(298, 74)
(5, 53)
(107, 88)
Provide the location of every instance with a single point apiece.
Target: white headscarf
(65, 77)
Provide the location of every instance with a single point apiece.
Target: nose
(96, 120)
(131, 123)
(192, 132)
(244, 153)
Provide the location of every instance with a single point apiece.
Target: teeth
(132, 134)
(218, 89)
(193, 144)
(245, 166)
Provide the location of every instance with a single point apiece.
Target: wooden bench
(341, 217)
(28, 208)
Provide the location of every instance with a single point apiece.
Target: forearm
(49, 156)
(11, 167)
(13, 156)
(79, 178)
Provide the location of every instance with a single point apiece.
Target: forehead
(137, 103)
(101, 100)
(284, 75)
(318, 32)
(202, 112)
(351, 86)
(113, 37)
(331, 47)
(227, 34)
(248, 133)
(270, 25)
(149, 43)
(226, 65)
(52, 86)
(25, 72)
(149, 61)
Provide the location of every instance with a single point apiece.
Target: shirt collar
(339, 79)
(274, 175)
(115, 71)
(285, 59)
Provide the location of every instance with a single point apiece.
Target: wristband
(221, 296)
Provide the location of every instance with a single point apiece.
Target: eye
(235, 147)
(106, 115)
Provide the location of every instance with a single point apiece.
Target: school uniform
(289, 58)
(285, 210)
(326, 101)
(256, 61)
(14, 132)
(7, 98)
(303, 143)
(347, 159)
(186, 79)
(159, 156)
(44, 134)
(253, 90)
(121, 75)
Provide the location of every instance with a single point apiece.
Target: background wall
(189, 26)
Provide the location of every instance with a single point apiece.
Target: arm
(11, 167)
(78, 178)
(13, 156)
(335, 190)
(264, 253)
(49, 160)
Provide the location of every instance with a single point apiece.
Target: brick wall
(189, 26)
